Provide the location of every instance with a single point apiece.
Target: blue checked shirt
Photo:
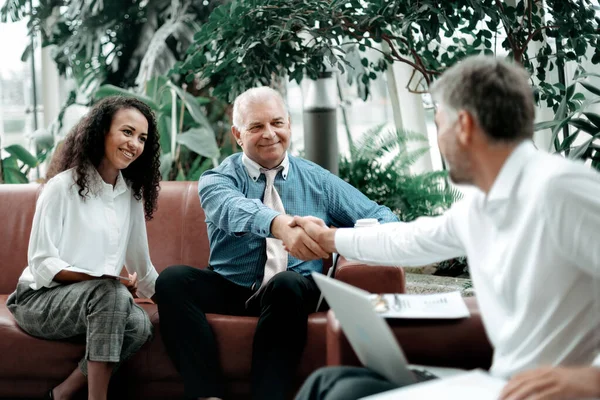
(238, 222)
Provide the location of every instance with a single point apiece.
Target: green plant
(378, 166)
(248, 43)
(118, 42)
(573, 119)
(16, 166)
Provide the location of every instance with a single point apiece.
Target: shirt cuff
(262, 222)
(47, 270)
(344, 238)
(596, 362)
(146, 287)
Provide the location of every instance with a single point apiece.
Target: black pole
(320, 122)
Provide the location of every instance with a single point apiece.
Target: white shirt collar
(495, 204)
(509, 173)
(103, 187)
(253, 168)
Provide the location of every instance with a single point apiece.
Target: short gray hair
(255, 94)
(495, 92)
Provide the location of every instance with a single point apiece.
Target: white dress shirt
(100, 234)
(533, 248)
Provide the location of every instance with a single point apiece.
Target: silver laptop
(368, 332)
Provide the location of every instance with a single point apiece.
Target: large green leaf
(201, 141)
(11, 172)
(584, 125)
(12, 175)
(579, 151)
(594, 118)
(164, 128)
(166, 162)
(110, 90)
(155, 86)
(20, 153)
(545, 125)
(591, 88)
(193, 107)
(566, 144)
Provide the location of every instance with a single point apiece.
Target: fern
(378, 166)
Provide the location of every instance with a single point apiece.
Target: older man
(530, 235)
(247, 201)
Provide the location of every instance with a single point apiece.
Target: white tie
(276, 255)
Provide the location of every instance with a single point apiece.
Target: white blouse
(100, 234)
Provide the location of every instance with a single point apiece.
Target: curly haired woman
(89, 223)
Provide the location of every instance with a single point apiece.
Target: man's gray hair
(262, 93)
(495, 92)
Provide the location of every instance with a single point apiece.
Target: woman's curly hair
(84, 146)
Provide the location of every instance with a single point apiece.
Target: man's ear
(466, 128)
(236, 134)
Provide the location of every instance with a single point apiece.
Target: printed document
(435, 306)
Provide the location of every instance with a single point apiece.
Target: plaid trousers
(102, 310)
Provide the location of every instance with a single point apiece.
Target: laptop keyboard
(423, 375)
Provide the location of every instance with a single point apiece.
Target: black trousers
(343, 383)
(185, 294)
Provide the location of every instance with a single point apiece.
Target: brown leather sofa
(177, 235)
(460, 343)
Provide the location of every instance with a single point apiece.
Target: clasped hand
(300, 236)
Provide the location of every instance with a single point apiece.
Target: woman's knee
(138, 328)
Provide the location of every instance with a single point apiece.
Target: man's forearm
(326, 239)
(279, 225)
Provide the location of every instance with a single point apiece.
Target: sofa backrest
(176, 234)
(17, 206)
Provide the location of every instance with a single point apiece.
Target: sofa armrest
(374, 279)
(459, 343)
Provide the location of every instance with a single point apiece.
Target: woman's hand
(132, 285)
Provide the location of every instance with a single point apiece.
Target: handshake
(306, 238)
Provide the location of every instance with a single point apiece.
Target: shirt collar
(253, 168)
(120, 185)
(510, 172)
